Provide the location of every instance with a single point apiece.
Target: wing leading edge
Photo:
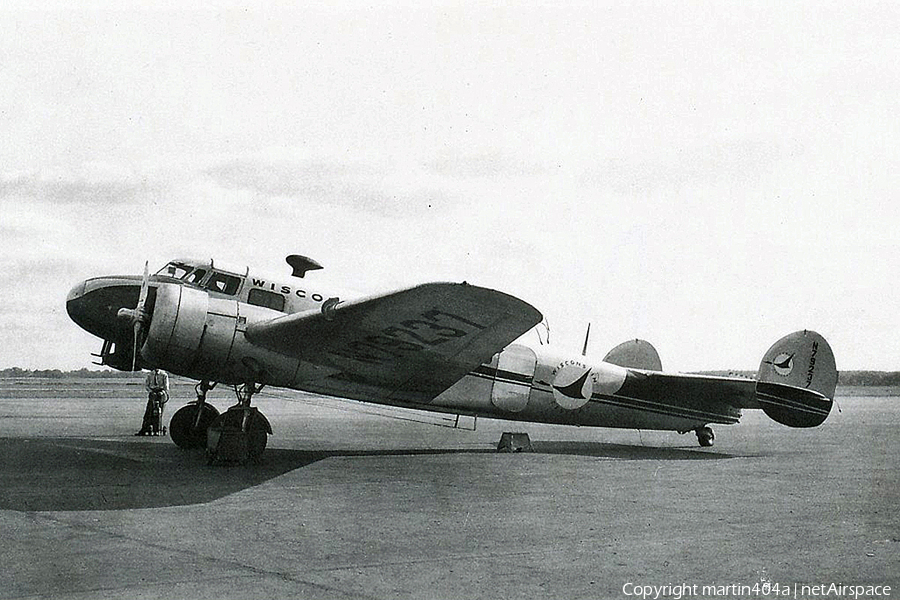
(411, 344)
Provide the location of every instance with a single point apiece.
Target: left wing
(409, 345)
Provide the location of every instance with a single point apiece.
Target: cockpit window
(176, 270)
(195, 276)
(223, 283)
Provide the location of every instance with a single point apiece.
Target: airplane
(444, 347)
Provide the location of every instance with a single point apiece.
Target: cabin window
(223, 283)
(266, 298)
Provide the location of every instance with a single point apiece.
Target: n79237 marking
(412, 335)
(435, 315)
(432, 329)
(425, 332)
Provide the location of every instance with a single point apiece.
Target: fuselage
(200, 314)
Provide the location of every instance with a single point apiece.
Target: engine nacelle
(202, 337)
(176, 327)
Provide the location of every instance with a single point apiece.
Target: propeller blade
(137, 336)
(139, 315)
(145, 285)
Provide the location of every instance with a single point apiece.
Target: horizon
(737, 372)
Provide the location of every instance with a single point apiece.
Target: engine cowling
(201, 337)
(176, 327)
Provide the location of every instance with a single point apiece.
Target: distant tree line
(878, 378)
(859, 378)
(57, 374)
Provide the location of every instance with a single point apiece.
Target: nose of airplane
(76, 292)
(74, 301)
(94, 305)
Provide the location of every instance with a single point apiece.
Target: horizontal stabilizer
(797, 379)
(635, 354)
(791, 406)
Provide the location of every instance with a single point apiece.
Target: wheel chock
(514, 442)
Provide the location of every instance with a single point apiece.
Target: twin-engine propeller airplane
(442, 347)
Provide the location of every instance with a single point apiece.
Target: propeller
(137, 315)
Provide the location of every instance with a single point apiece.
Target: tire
(182, 428)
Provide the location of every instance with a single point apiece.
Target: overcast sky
(707, 176)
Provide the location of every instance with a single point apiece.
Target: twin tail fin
(796, 380)
(635, 354)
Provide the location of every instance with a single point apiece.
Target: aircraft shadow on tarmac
(627, 452)
(75, 474)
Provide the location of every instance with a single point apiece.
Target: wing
(409, 345)
(701, 397)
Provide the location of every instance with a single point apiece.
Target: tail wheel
(705, 436)
(187, 430)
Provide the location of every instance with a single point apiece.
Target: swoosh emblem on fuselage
(574, 389)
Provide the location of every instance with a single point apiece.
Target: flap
(412, 343)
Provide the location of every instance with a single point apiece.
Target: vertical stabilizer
(635, 354)
(797, 378)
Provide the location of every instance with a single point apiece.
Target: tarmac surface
(359, 501)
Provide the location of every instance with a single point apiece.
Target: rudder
(796, 380)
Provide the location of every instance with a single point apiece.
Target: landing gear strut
(241, 432)
(705, 436)
(189, 424)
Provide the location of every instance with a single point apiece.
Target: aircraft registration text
(433, 328)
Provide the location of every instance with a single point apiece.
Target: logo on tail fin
(783, 364)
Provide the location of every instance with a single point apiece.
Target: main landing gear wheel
(705, 436)
(189, 424)
(240, 433)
